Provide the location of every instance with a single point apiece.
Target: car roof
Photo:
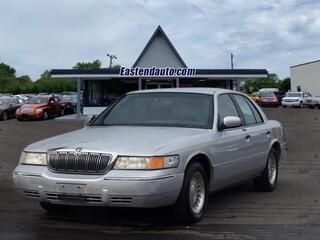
(210, 91)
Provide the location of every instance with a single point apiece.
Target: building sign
(154, 72)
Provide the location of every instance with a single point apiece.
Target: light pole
(111, 58)
(231, 57)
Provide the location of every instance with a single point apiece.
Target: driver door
(229, 147)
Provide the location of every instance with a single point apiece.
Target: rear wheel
(4, 116)
(268, 179)
(193, 197)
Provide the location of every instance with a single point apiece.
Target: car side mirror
(230, 122)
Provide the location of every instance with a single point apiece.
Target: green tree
(48, 84)
(88, 65)
(285, 85)
(272, 81)
(7, 71)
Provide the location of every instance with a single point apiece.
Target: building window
(101, 93)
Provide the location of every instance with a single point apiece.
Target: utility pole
(231, 56)
(111, 58)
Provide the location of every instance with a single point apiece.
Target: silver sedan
(156, 148)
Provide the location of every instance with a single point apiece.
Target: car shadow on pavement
(159, 218)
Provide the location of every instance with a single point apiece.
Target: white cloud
(273, 34)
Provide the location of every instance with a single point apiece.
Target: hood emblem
(79, 149)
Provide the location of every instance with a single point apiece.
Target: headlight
(39, 110)
(33, 158)
(146, 163)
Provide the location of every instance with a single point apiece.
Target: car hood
(34, 106)
(119, 139)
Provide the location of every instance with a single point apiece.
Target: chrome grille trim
(79, 163)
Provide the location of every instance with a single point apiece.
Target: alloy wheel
(272, 168)
(197, 192)
(4, 116)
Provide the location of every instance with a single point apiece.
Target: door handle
(267, 132)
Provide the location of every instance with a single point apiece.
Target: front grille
(120, 199)
(81, 163)
(26, 110)
(31, 193)
(70, 197)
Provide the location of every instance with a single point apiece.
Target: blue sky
(43, 34)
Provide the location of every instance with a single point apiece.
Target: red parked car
(40, 107)
(268, 99)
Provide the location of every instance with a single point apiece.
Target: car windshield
(267, 94)
(69, 98)
(4, 101)
(279, 93)
(159, 109)
(294, 94)
(37, 100)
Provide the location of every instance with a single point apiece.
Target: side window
(226, 107)
(255, 112)
(245, 109)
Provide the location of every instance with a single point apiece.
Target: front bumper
(29, 116)
(269, 104)
(117, 188)
(290, 104)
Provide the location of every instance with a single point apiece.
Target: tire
(45, 115)
(268, 179)
(4, 116)
(301, 105)
(189, 208)
(312, 107)
(53, 208)
(283, 106)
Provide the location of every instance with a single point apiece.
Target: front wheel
(45, 115)
(4, 116)
(268, 179)
(301, 105)
(193, 197)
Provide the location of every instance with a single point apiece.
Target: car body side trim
(138, 179)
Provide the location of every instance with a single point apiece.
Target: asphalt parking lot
(292, 211)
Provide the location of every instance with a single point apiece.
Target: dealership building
(306, 77)
(159, 65)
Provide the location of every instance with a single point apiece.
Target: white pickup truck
(312, 102)
(298, 99)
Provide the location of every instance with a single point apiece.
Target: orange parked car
(40, 107)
